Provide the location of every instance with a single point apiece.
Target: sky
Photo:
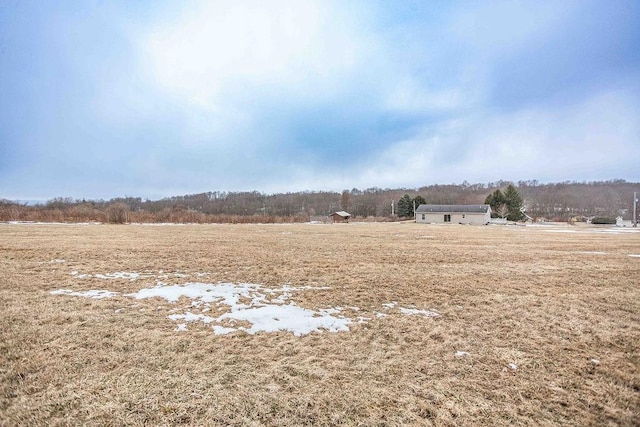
(151, 99)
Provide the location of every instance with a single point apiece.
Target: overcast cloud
(104, 99)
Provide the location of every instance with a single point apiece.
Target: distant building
(453, 214)
(340, 216)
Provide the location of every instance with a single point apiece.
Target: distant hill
(555, 201)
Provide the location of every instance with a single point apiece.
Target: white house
(453, 214)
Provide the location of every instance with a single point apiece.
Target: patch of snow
(298, 320)
(263, 309)
(409, 311)
(181, 327)
(225, 293)
(634, 255)
(95, 294)
(331, 310)
(414, 311)
(592, 253)
(617, 230)
(263, 316)
(461, 353)
(119, 310)
(595, 362)
(190, 317)
(50, 223)
(118, 275)
(513, 366)
(221, 330)
(57, 261)
(158, 224)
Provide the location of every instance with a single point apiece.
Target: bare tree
(118, 213)
(345, 200)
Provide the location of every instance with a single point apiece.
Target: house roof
(452, 209)
(342, 214)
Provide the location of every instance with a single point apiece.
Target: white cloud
(594, 138)
(214, 49)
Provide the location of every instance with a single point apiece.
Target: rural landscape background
(550, 202)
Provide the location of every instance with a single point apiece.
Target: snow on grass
(592, 253)
(617, 230)
(409, 311)
(298, 320)
(634, 255)
(415, 311)
(249, 303)
(462, 353)
(110, 276)
(190, 317)
(49, 223)
(221, 330)
(118, 275)
(95, 294)
(245, 307)
(134, 275)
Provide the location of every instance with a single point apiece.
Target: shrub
(118, 213)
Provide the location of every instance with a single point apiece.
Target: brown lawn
(564, 307)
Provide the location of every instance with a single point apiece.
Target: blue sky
(100, 99)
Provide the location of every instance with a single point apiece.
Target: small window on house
(462, 215)
(447, 218)
(424, 217)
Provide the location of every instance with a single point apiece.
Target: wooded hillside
(557, 201)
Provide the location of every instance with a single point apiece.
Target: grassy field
(537, 326)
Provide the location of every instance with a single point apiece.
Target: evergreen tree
(513, 200)
(495, 200)
(419, 200)
(405, 206)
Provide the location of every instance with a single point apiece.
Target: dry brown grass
(506, 295)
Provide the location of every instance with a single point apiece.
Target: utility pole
(635, 215)
(392, 208)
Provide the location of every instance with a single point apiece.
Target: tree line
(556, 202)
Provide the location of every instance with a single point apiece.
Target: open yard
(318, 324)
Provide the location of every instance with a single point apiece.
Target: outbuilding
(453, 214)
(340, 216)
